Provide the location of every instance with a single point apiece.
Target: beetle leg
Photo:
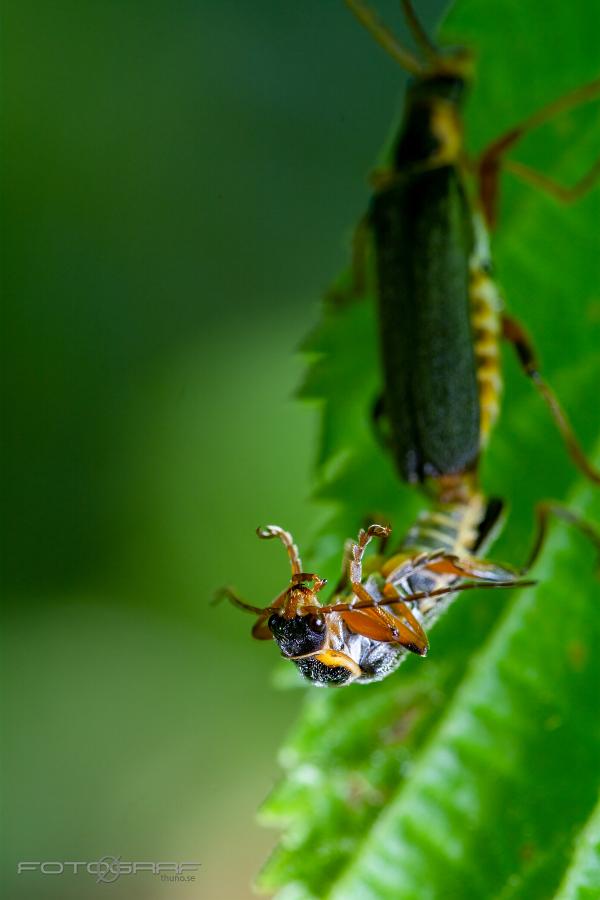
(384, 537)
(443, 563)
(343, 581)
(274, 531)
(380, 621)
(543, 511)
(560, 192)
(485, 571)
(358, 550)
(403, 565)
(417, 642)
(514, 332)
(347, 558)
(472, 567)
(341, 295)
(491, 159)
(380, 624)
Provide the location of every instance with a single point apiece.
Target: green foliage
(473, 773)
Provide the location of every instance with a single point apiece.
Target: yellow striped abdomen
(451, 527)
(486, 310)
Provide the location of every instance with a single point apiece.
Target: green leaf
(583, 875)
(473, 773)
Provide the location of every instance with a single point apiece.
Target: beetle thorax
(431, 133)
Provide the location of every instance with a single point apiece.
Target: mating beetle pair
(441, 320)
(376, 618)
(375, 621)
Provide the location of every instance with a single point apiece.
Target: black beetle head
(298, 635)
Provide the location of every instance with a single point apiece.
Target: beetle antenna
(274, 531)
(382, 34)
(422, 595)
(226, 593)
(421, 37)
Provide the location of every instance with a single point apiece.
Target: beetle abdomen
(486, 313)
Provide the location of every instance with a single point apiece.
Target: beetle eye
(276, 624)
(315, 625)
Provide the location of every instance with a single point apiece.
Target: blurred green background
(179, 183)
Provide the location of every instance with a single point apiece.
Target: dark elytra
(423, 239)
